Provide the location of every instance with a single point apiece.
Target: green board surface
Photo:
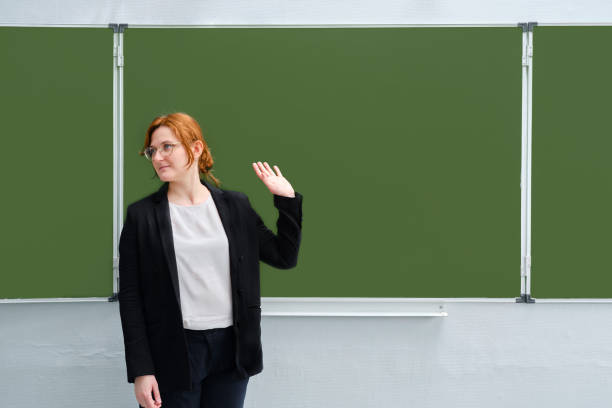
(572, 188)
(57, 162)
(405, 142)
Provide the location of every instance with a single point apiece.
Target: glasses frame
(149, 155)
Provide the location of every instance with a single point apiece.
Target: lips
(163, 167)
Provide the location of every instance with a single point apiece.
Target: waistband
(208, 331)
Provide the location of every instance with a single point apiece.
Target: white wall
(483, 354)
(303, 12)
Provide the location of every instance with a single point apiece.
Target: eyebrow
(165, 141)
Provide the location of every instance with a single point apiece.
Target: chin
(164, 177)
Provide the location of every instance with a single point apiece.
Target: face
(172, 167)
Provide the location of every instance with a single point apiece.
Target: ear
(197, 148)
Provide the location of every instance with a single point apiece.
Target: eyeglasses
(166, 150)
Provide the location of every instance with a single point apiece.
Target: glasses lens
(149, 152)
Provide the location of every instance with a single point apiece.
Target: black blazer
(149, 298)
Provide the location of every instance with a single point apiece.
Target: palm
(275, 182)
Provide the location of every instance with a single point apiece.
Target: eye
(167, 147)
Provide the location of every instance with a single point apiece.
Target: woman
(189, 274)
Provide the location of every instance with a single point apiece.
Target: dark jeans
(211, 357)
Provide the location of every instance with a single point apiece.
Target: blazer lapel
(162, 214)
(164, 226)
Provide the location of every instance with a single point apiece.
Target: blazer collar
(164, 223)
(162, 193)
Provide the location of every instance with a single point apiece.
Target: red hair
(187, 130)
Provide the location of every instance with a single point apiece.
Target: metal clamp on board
(117, 28)
(527, 26)
(525, 298)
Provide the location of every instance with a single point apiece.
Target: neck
(187, 192)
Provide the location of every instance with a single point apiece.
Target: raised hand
(276, 183)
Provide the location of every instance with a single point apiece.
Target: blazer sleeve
(281, 251)
(137, 354)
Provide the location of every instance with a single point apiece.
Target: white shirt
(202, 258)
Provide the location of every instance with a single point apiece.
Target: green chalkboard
(405, 142)
(57, 162)
(572, 187)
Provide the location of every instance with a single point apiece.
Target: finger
(268, 168)
(256, 168)
(278, 172)
(156, 395)
(262, 169)
(149, 400)
(258, 172)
